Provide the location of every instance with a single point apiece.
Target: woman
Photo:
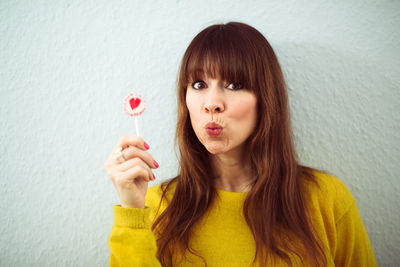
(241, 197)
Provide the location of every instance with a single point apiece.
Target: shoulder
(329, 195)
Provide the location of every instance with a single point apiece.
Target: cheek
(245, 110)
(192, 105)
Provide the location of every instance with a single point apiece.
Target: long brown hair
(275, 208)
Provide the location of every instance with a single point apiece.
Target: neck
(233, 171)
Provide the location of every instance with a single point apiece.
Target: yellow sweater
(223, 237)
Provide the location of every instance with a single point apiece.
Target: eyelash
(236, 84)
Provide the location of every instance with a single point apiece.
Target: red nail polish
(146, 145)
(156, 164)
(154, 177)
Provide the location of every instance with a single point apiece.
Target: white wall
(67, 65)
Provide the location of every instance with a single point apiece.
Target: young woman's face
(223, 115)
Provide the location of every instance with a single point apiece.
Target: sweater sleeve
(353, 245)
(132, 242)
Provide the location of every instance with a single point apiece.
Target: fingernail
(156, 164)
(146, 145)
(154, 177)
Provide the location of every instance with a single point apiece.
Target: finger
(129, 164)
(133, 152)
(132, 163)
(123, 143)
(113, 159)
(132, 174)
(132, 140)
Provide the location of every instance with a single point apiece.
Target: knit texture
(223, 237)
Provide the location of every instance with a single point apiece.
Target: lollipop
(133, 106)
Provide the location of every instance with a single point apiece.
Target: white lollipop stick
(133, 106)
(137, 126)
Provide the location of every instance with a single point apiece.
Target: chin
(216, 148)
(215, 151)
(215, 145)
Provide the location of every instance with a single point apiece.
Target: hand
(131, 177)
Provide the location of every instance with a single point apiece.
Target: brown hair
(275, 208)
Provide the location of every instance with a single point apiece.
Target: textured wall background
(67, 65)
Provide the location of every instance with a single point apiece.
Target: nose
(214, 101)
(213, 108)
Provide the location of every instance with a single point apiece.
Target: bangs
(220, 54)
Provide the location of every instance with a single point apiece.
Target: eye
(234, 86)
(199, 85)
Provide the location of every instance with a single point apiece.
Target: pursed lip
(213, 125)
(213, 129)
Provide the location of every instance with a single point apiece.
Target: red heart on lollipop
(134, 102)
(134, 105)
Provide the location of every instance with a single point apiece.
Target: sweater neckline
(230, 200)
(231, 194)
